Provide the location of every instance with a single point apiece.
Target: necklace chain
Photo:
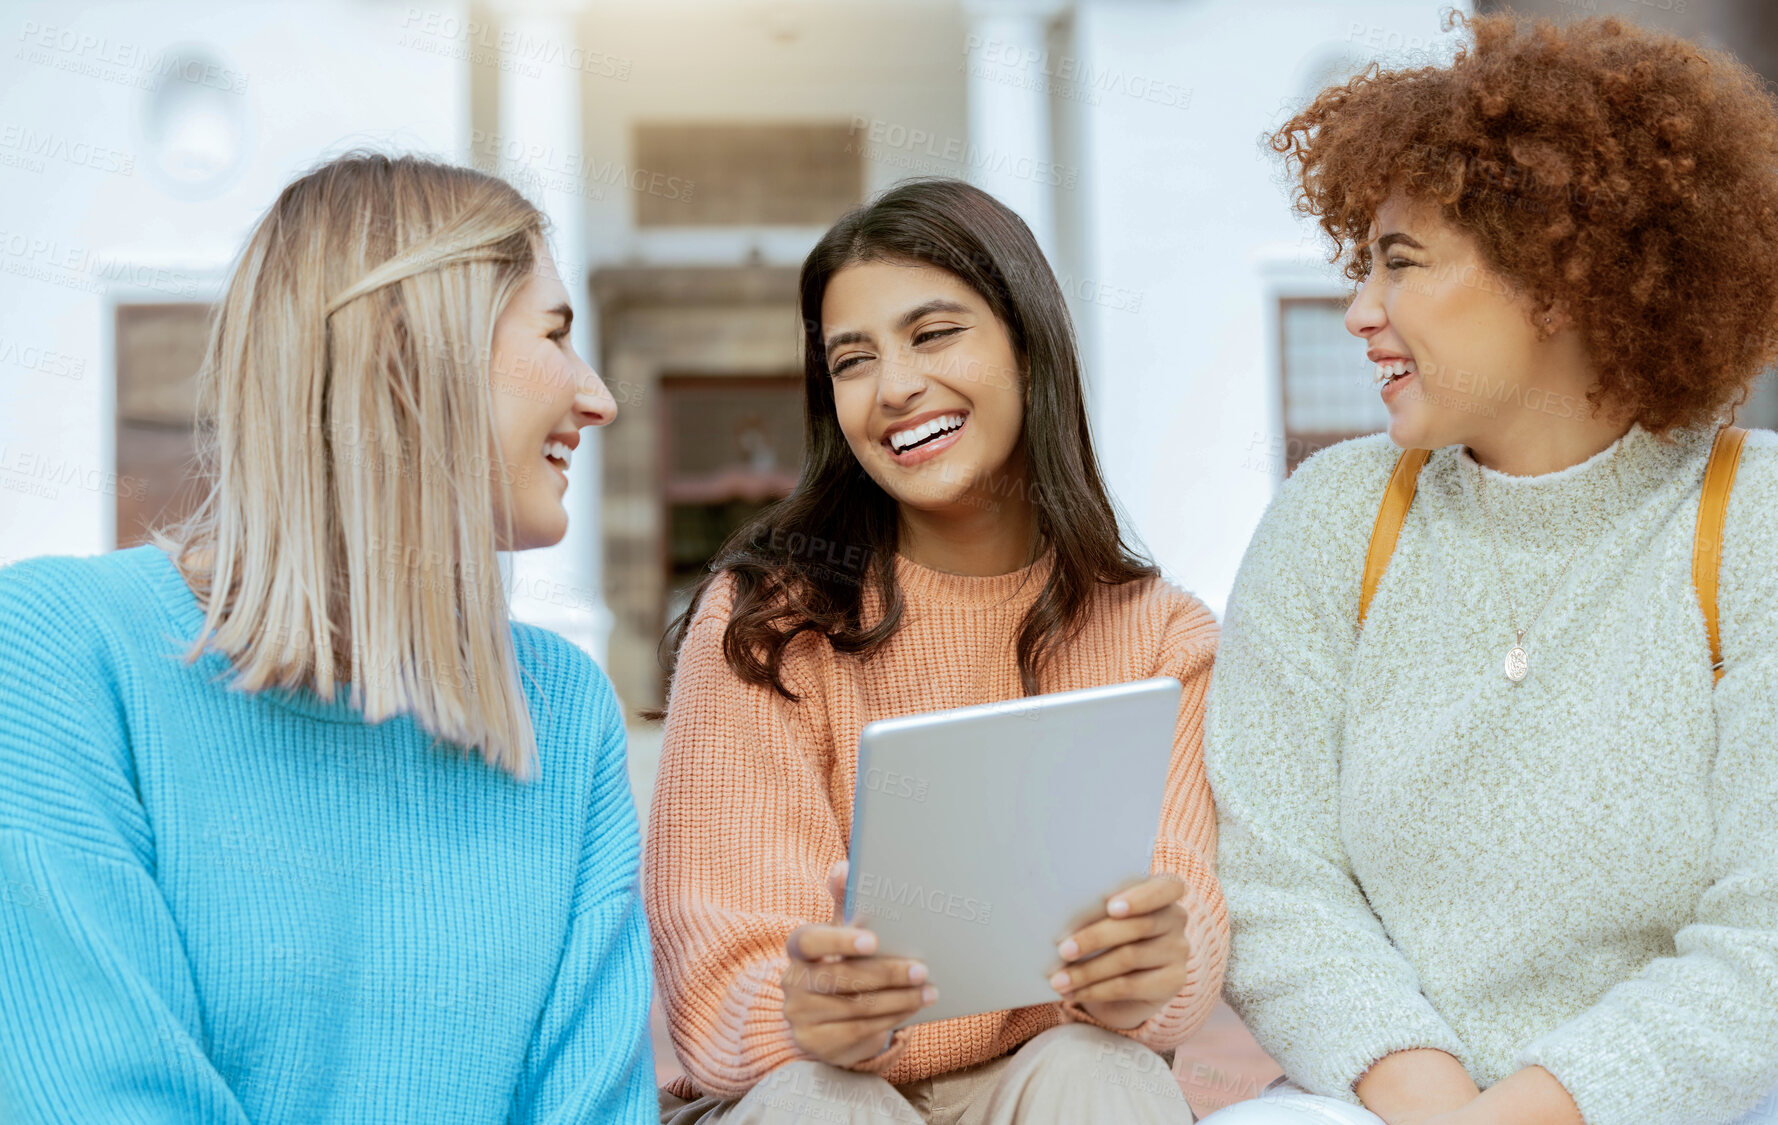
(1517, 661)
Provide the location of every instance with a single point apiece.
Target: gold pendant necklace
(1517, 664)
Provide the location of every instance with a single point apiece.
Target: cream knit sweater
(1578, 871)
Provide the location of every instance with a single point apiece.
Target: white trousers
(1286, 1104)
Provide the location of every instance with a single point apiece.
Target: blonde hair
(349, 532)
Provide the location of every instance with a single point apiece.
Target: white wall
(99, 208)
(1186, 218)
(1173, 223)
(897, 64)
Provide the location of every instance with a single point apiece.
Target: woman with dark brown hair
(1492, 729)
(949, 543)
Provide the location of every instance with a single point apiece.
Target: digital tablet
(983, 836)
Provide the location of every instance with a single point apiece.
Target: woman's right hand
(842, 1001)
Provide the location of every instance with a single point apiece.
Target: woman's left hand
(1142, 950)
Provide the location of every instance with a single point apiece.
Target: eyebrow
(908, 319)
(562, 310)
(1395, 236)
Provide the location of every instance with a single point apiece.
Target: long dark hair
(803, 564)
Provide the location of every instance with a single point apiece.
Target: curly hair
(1628, 176)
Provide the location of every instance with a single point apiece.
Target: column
(1006, 57)
(540, 146)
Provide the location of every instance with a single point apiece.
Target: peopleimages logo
(895, 784)
(933, 900)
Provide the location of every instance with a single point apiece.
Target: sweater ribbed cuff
(1332, 1070)
(886, 1058)
(1614, 1084)
(753, 1037)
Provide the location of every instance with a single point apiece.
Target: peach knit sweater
(753, 804)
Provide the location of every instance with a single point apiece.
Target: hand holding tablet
(842, 1000)
(991, 843)
(1125, 966)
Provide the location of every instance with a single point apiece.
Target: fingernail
(916, 973)
(928, 994)
(1059, 982)
(866, 942)
(1068, 950)
(1117, 908)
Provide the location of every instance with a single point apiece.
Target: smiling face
(543, 394)
(926, 385)
(1457, 353)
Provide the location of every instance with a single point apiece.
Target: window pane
(159, 350)
(1328, 384)
(735, 174)
(1761, 409)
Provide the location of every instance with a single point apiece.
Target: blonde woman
(295, 824)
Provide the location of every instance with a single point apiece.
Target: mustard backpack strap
(1713, 511)
(1390, 515)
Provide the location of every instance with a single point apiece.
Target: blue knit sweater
(218, 906)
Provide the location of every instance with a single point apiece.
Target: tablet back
(983, 836)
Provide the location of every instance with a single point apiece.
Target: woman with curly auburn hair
(1491, 728)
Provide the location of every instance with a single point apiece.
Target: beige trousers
(1074, 1074)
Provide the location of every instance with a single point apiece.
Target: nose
(1365, 316)
(901, 384)
(593, 404)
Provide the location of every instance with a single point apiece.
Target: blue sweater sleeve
(101, 1021)
(591, 1059)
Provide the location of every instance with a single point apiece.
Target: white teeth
(559, 451)
(1393, 368)
(904, 438)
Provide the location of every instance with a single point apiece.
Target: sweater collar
(1016, 589)
(188, 618)
(1552, 507)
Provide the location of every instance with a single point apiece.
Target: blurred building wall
(1188, 242)
(1128, 132)
(138, 143)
